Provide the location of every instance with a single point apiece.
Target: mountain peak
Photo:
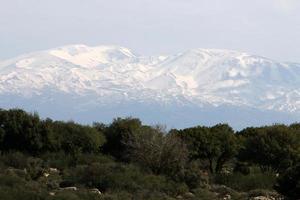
(92, 56)
(105, 75)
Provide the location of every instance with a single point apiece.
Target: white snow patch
(25, 63)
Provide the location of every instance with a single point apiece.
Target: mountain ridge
(198, 78)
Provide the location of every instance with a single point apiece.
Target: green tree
(216, 144)
(272, 147)
(74, 138)
(117, 133)
(157, 151)
(20, 131)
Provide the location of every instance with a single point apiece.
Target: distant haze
(270, 28)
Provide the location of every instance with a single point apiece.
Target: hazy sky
(269, 28)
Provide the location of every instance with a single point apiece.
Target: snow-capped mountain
(199, 86)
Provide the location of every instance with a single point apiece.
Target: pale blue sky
(269, 28)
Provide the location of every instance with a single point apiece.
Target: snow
(25, 63)
(91, 57)
(198, 76)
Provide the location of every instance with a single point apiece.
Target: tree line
(192, 156)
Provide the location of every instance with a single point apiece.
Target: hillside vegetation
(42, 159)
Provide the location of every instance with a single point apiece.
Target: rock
(69, 188)
(227, 197)
(95, 191)
(189, 195)
(52, 193)
(53, 170)
(262, 198)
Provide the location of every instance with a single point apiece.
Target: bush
(242, 168)
(10, 180)
(19, 193)
(195, 177)
(34, 167)
(59, 160)
(204, 194)
(86, 159)
(245, 183)
(14, 159)
(288, 183)
(13, 187)
(120, 177)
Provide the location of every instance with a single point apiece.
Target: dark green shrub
(288, 183)
(204, 194)
(11, 180)
(34, 167)
(59, 160)
(242, 168)
(118, 132)
(66, 183)
(14, 159)
(194, 176)
(121, 177)
(249, 182)
(86, 159)
(7, 193)
(13, 187)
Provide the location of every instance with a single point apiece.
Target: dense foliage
(45, 159)
(215, 144)
(25, 132)
(272, 148)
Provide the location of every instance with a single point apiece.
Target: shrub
(34, 167)
(10, 180)
(59, 160)
(242, 168)
(204, 194)
(86, 159)
(288, 183)
(194, 176)
(14, 159)
(249, 182)
(122, 177)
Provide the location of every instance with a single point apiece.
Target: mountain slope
(197, 86)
